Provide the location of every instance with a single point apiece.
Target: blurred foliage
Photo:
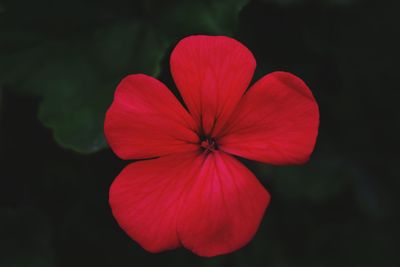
(26, 238)
(65, 58)
(308, 2)
(73, 53)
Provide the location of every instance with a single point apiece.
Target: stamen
(208, 144)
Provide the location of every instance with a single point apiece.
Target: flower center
(208, 144)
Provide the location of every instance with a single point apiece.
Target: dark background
(61, 60)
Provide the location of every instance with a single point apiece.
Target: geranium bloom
(191, 191)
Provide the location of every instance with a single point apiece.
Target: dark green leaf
(26, 238)
(75, 65)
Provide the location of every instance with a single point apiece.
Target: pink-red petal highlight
(223, 209)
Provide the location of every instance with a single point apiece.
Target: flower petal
(211, 73)
(224, 208)
(146, 120)
(276, 122)
(147, 195)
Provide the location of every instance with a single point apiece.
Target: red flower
(192, 191)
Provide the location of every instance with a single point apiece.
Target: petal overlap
(211, 204)
(223, 209)
(145, 120)
(275, 122)
(146, 197)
